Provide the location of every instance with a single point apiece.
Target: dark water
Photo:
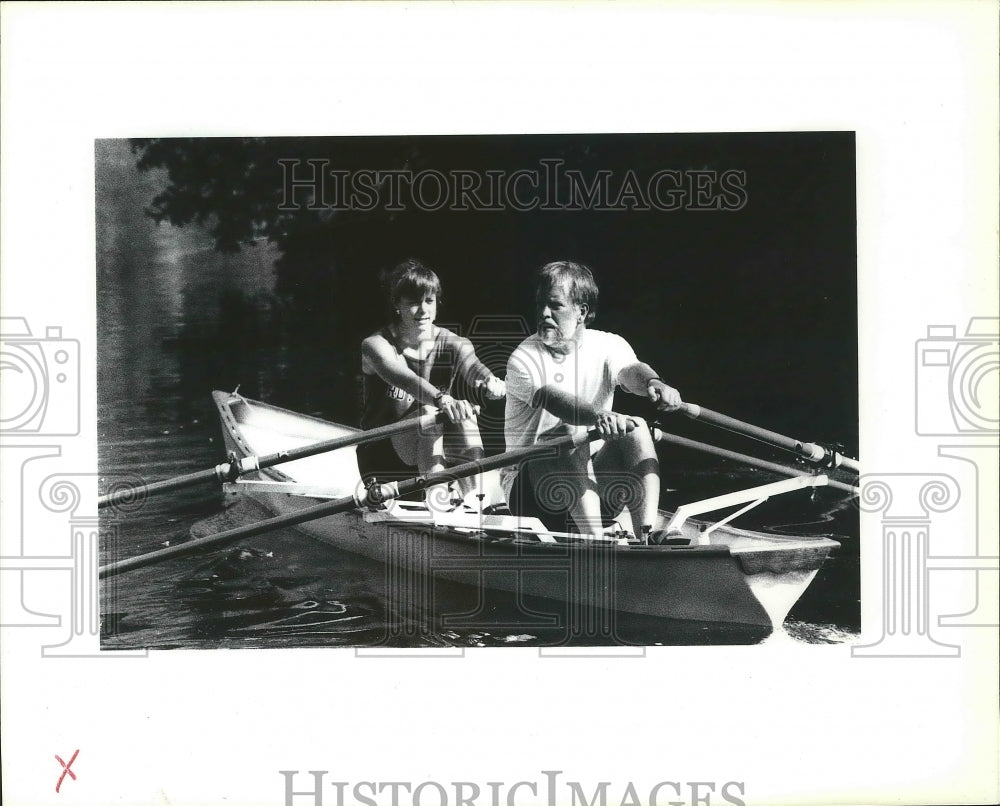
(176, 320)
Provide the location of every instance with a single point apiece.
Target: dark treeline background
(752, 312)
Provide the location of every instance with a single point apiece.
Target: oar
(808, 450)
(230, 471)
(763, 464)
(373, 496)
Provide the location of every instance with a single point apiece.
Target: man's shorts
(525, 500)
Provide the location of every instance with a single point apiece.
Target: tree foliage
(234, 187)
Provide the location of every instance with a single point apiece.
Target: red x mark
(66, 769)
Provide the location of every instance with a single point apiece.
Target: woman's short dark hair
(579, 280)
(410, 279)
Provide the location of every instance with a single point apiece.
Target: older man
(563, 379)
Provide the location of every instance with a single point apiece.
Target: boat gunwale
(765, 542)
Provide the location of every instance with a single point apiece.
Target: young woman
(408, 368)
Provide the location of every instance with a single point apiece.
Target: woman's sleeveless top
(384, 403)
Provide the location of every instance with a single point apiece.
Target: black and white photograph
(266, 297)
(500, 404)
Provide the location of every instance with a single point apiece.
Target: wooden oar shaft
(763, 464)
(130, 493)
(228, 536)
(808, 450)
(229, 471)
(374, 496)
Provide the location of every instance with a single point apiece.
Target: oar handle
(753, 461)
(373, 496)
(230, 471)
(807, 450)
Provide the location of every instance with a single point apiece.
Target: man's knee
(640, 430)
(466, 431)
(640, 438)
(431, 430)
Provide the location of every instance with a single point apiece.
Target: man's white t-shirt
(589, 373)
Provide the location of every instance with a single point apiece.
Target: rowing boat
(710, 572)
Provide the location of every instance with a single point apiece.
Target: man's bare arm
(635, 377)
(574, 411)
(566, 407)
(641, 379)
